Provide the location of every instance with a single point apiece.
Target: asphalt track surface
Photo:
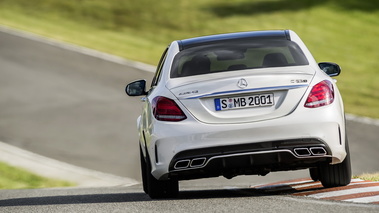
(71, 107)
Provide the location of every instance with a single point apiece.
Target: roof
(198, 41)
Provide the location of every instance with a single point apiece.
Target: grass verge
(368, 176)
(16, 178)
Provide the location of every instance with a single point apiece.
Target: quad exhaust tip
(182, 164)
(187, 163)
(302, 151)
(197, 162)
(318, 151)
(313, 151)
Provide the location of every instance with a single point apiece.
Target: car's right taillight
(322, 94)
(165, 109)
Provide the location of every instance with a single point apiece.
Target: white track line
(360, 119)
(369, 199)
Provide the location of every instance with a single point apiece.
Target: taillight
(322, 94)
(165, 109)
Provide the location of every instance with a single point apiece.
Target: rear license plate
(260, 100)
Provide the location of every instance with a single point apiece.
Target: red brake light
(165, 109)
(322, 94)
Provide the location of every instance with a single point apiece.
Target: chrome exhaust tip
(182, 164)
(302, 151)
(318, 151)
(198, 162)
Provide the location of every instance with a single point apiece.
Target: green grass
(345, 32)
(16, 178)
(367, 176)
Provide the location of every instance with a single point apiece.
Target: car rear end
(246, 106)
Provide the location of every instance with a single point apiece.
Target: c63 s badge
(299, 81)
(189, 92)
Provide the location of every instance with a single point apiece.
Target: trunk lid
(243, 96)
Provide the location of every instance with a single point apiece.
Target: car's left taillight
(165, 109)
(322, 94)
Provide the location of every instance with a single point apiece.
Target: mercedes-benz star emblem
(242, 83)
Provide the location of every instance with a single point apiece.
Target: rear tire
(143, 172)
(313, 172)
(157, 189)
(338, 174)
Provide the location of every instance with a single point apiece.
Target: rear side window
(236, 55)
(158, 72)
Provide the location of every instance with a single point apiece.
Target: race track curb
(358, 191)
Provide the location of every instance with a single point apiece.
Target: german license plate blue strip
(218, 104)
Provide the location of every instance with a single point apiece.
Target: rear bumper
(252, 148)
(246, 163)
(200, 158)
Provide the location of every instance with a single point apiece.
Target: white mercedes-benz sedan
(245, 103)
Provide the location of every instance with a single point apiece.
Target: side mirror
(136, 88)
(331, 69)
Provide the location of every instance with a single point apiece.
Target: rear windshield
(236, 55)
